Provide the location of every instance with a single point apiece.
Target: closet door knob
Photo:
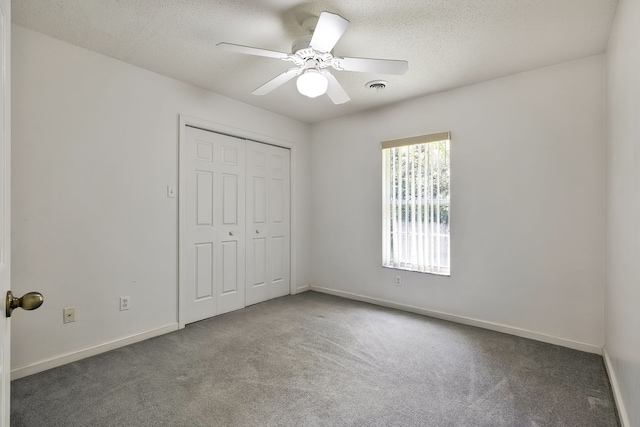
(257, 231)
(231, 233)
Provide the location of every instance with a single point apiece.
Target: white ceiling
(448, 43)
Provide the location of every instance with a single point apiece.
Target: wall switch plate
(171, 191)
(125, 303)
(398, 281)
(68, 315)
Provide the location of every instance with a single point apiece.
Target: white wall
(527, 209)
(622, 321)
(95, 143)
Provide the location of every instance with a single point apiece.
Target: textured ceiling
(448, 43)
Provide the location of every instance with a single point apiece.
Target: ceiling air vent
(377, 85)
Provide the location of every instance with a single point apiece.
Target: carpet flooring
(318, 360)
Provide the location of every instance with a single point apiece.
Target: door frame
(5, 199)
(207, 125)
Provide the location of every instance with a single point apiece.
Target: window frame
(418, 258)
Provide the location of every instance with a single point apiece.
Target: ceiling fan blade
(366, 65)
(252, 50)
(335, 91)
(329, 29)
(277, 81)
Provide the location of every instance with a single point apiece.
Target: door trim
(207, 125)
(5, 181)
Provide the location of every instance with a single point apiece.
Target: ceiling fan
(312, 56)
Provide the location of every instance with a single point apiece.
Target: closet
(235, 226)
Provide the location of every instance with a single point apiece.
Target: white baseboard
(576, 345)
(88, 352)
(617, 396)
(301, 289)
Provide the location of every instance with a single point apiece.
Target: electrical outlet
(68, 315)
(398, 281)
(125, 303)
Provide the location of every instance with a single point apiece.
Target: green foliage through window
(416, 207)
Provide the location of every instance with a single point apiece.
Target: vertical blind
(416, 194)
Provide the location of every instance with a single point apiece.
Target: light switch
(171, 191)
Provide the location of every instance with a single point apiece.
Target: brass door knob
(29, 301)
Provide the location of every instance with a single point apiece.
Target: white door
(212, 238)
(5, 210)
(268, 222)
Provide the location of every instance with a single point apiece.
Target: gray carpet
(318, 360)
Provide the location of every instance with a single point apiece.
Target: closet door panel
(257, 230)
(268, 222)
(212, 235)
(279, 222)
(231, 225)
(198, 237)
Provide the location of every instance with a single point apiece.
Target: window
(415, 206)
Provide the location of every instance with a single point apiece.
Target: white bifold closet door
(212, 240)
(268, 250)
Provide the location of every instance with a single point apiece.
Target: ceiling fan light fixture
(313, 54)
(312, 83)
